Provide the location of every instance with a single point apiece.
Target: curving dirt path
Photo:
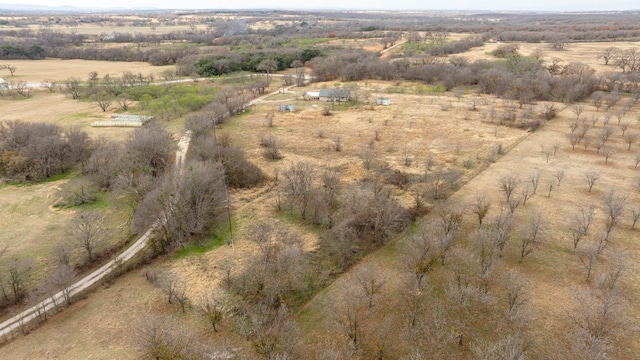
(18, 321)
(21, 319)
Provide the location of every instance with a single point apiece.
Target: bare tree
(367, 156)
(597, 98)
(518, 292)
(298, 186)
(268, 66)
(347, 310)
(534, 179)
(510, 346)
(19, 272)
(574, 139)
(607, 152)
(630, 138)
(271, 148)
(578, 110)
(406, 155)
(580, 224)
(213, 307)
(635, 216)
(596, 319)
(226, 266)
(183, 208)
(531, 234)
(103, 100)
(62, 254)
(480, 206)
(149, 150)
(73, 87)
(508, 184)
(588, 257)
(371, 280)
(559, 175)
(12, 68)
(514, 202)
(614, 206)
(624, 126)
(527, 193)
(164, 338)
(608, 54)
(124, 101)
(608, 280)
(636, 159)
(422, 253)
(61, 278)
(591, 176)
(87, 230)
(502, 225)
(482, 241)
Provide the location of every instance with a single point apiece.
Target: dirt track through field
(19, 321)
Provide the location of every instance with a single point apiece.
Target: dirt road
(18, 321)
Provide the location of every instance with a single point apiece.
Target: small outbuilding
(287, 107)
(384, 101)
(312, 95)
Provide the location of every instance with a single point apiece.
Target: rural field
(489, 210)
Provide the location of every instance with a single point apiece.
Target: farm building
(287, 107)
(312, 95)
(119, 120)
(339, 95)
(384, 101)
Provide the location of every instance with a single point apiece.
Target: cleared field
(56, 108)
(586, 53)
(29, 220)
(36, 71)
(435, 125)
(416, 123)
(554, 271)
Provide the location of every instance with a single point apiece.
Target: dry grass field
(103, 325)
(36, 71)
(553, 270)
(56, 108)
(586, 53)
(432, 125)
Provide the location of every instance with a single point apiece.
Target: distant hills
(68, 9)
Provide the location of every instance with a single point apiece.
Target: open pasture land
(583, 52)
(426, 146)
(413, 126)
(105, 325)
(556, 273)
(36, 71)
(30, 223)
(56, 108)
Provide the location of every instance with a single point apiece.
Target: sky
(539, 5)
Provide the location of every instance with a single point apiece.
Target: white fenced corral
(123, 120)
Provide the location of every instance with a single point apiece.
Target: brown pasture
(36, 71)
(418, 124)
